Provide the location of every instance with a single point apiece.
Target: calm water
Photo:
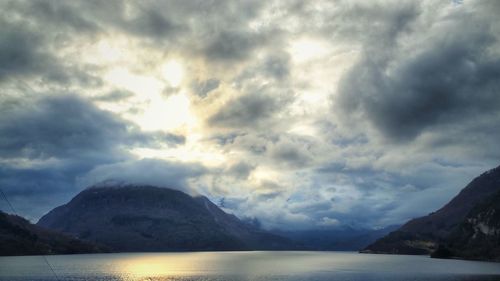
(262, 266)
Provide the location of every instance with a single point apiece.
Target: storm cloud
(60, 126)
(449, 77)
(18, 51)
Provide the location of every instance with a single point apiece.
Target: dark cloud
(27, 53)
(33, 191)
(156, 138)
(203, 88)
(58, 126)
(265, 95)
(231, 203)
(67, 126)
(240, 170)
(232, 46)
(245, 111)
(114, 96)
(277, 66)
(47, 143)
(151, 23)
(20, 51)
(92, 18)
(60, 15)
(274, 69)
(269, 195)
(260, 101)
(449, 78)
(224, 139)
(293, 152)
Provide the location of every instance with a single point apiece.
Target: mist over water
(264, 266)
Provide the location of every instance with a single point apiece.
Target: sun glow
(139, 84)
(157, 111)
(189, 152)
(108, 52)
(167, 113)
(173, 73)
(306, 49)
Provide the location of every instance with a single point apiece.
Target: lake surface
(235, 266)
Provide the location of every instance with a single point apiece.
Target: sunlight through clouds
(168, 114)
(173, 72)
(306, 49)
(283, 103)
(141, 85)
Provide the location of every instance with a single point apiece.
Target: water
(245, 266)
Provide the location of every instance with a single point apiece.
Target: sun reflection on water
(144, 266)
(151, 266)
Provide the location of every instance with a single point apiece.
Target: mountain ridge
(148, 218)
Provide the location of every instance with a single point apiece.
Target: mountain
(19, 237)
(478, 236)
(466, 227)
(133, 218)
(337, 239)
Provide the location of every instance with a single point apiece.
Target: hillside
(478, 236)
(465, 227)
(134, 218)
(19, 237)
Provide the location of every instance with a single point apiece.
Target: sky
(301, 114)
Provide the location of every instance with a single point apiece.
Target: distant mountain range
(135, 218)
(467, 227)
(337, 239)
(20, 237)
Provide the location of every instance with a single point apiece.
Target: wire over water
(43, 256)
